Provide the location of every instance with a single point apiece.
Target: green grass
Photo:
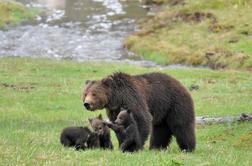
(221, 39)
(40, 97)
(12, 13)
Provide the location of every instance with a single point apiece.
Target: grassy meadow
(214, 33)
(39, 97)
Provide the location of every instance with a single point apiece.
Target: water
(74, 29)
(83, 30)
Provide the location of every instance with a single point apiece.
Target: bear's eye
(93, 94)
(100, 128)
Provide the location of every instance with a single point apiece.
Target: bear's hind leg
(185, 136)
(80, 144)
(160, 137)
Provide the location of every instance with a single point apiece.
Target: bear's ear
(87, 82)
(100, 117)
(107, 81)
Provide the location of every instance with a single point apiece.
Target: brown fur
(126, 131)
(102, 131)
(147, 96)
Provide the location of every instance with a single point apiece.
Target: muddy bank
(216, 34)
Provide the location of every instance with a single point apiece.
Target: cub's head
(96, 94)
(123, 118)
(98, 125)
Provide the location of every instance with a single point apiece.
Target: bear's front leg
(110, 125)
(112, 114)
(125, 145)
(160, 137)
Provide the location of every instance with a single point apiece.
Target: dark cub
(126, 131)
(79, 138)
(103, 132)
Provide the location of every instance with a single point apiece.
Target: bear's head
(98, 126)
(111, 92)
(123, 118)
(96, 94)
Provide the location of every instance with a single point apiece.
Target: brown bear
(79, 138)
(153, 95)
(126, 131)
(102, 131)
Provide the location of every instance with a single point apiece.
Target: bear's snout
(87, 106)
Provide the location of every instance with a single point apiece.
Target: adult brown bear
(154, 99)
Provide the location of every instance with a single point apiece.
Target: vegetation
(12, 12)
(40, 97)
(214, 33)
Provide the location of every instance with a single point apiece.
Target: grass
(215, 33)
(40, 97)
(12, 13)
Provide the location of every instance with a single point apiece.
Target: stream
(80, 30)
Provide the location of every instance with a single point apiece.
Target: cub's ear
(107, 81)
(128, 111)
(123, 109)
(99, 117)
(90, 120)
(87, 82)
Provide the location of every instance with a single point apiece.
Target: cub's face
(98, 125)
(122, 118)
(95, 95)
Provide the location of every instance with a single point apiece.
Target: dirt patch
(163, 21)
(209, 81)
(158, 22)
(246, 32)
(19, 87)
(227, 133)
(194, 87)
(244, 141)
(194, 35)
(215, 59)
(216, 28)
(216, 139)
(196, 17)
(234, 39)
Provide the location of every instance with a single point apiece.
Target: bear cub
(102, 131)
(79, 138)
(126, 131)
